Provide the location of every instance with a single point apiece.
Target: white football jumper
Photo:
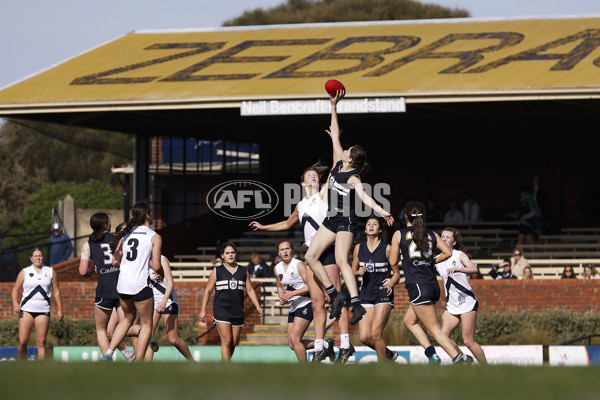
(158, 292)
(137, 251)
(292, 280)
(460, 297)
(37, 289)
(311, 212)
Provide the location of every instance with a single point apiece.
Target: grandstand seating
(487, 242)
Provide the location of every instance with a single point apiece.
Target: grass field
(199, 381)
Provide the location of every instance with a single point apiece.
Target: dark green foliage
(67, 332)
(65, 153)
(551, 328)
(33, 154)
(37, 215)
(70, 332)
(304, 11)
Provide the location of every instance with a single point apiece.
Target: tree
(303, 11)
(65, 153)
(37, 215)
(15, 188)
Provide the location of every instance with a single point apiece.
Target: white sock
(345, 340)
(319, 344)
(109, 352)
(126, 351)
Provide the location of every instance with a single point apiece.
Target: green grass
(89, 381)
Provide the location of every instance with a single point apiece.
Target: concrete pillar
(69, 217)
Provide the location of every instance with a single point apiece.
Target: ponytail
(138, 217)
(415, 212)
(98, 223)
(359, 159)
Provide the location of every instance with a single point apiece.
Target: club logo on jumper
(242, 199)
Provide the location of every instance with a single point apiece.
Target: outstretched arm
(368, 200)
(334, 129)
(278, 226)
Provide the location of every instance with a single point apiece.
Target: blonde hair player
(290, 274)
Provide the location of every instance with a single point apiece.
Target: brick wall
(574, 295)
(512, 295)
(78, 303)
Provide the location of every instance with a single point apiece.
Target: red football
(332, 86)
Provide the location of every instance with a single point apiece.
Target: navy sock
(332, 292)
(429, 351)
(355, 301)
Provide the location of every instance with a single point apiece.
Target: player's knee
(468, 341)
(365, 338)
(173, 339)
(310, 257)
(375, 336)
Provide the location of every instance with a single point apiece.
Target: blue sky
(37, 34)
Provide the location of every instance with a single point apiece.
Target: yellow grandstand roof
(427, 60)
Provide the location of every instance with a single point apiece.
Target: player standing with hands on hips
(339, 227)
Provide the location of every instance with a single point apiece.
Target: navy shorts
(172, 309)
(423, 293)
(328, 256)
(144, 294)
(376, 297)
(106, 304)
(37, 314)
(305, 312)
(338, 223)
(235, 322)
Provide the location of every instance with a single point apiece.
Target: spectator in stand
(506, 272)
(434, 214)
(258, 268)
(60, 248)
(543, 203)
(526, 216)
(518, 263)
(454, 215)
(471, 209)
(527, 273)
(590, 272)
(568, 273)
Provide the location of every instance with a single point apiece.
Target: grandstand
(488, 242)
